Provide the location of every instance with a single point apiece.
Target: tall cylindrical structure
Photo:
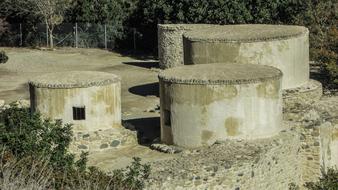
(170, 42)
(201, 104)
(282, 46)
(89, 100)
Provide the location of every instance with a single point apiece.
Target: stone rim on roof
(74, 79)
(246, 33)
(220, 74)
(174, 27)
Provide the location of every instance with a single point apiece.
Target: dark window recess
(167, 118)
(79, 113)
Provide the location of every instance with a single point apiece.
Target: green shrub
(321, 18)
(35, 156)
(3, 57)
(25, 134)
(328, 181)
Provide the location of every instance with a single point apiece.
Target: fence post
(76, 37)
(20, 34)
(134, 38)
(47, 35)
(105, 36)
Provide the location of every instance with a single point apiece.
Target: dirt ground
(139, 89)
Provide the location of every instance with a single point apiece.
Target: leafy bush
(113, 13)
(35, 156)
(150, 13)
(3, 57)
(328, 181)
(321, 18)
(24, 134)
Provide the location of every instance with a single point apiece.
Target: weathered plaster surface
(289, 54)
(102, 105)
(202, 114)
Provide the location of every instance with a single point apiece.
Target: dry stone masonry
(170, 42)
(242, 165)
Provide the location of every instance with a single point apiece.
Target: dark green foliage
(24, 134)
(321, 17)
(3, 57)
(328, 181)
(32, 146)
(152, 12)
(113, 13)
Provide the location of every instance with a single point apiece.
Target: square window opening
(79, 113)
(167, 118)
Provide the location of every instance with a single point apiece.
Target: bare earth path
(139, 89)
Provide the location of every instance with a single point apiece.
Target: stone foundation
(304, 95)
(259, 164)
(102, 140)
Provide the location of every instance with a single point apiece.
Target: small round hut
(89, 100)
(203, 103)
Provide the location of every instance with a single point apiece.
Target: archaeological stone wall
(260, 164)
(170, 42)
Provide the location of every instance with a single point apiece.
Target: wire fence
(79, 35)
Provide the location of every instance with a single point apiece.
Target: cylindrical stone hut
(170, 42)
(282, 46)
(89, 100)
(201, 104)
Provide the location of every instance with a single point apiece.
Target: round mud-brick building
(89, 100)
(201, 104)
(170, 42)
(282, 46)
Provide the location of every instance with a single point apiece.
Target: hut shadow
(150, 89)
(144, 64)
(148, 129)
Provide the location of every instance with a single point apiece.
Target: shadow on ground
(148, 129)
(21, 92)
(317, 73)
(148, 64)
(150, 89)
(136, 54)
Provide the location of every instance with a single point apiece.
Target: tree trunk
(51, 44)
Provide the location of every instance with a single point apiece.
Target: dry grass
(16, 175)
